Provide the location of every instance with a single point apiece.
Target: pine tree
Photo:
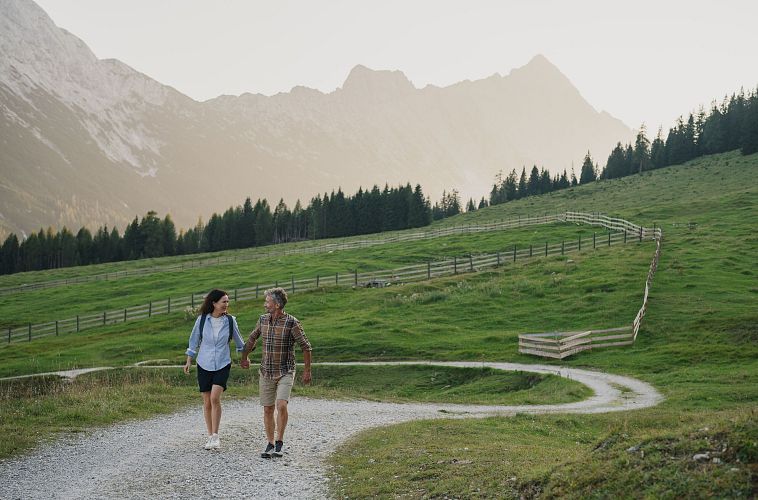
(749, 135)
(9, 262)
(168, 230)
(658, 151)
(533, 185)
(470, 207)
(522, 190)
(641, 154)
(588, 170)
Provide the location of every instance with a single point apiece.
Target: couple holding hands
(278, 331)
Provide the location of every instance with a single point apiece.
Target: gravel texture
(163, 457)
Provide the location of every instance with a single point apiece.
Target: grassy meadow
(698, 346)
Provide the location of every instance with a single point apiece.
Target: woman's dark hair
(213, 296)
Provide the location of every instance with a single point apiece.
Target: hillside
(698, 346)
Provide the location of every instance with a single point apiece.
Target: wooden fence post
(125, 315)
(9, 334)
(624, 236)
(317, 280)
(30, 332)
(150, 309)
(580, 242)
(428, 270)
(292, 278)
(455, 265)
(640, 234)
(77, 323)
(103, 317)
(56, 327)
(514, 253)
(498, 257)
(609, 238)
(593, 240)
(470, 263)
(168, 307)
(530, 249)
(563, 247)
(546, 249)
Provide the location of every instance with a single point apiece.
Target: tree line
(243, 226)
(730, 125)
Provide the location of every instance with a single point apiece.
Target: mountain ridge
(105, 142)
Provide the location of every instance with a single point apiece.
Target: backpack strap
(202, 324)
(231, 327)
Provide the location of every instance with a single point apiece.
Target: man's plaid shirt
(279, 337)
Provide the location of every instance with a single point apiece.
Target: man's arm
(250, 344)
(307, 370)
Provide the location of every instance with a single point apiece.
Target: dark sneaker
(278, 449)
(267, 452)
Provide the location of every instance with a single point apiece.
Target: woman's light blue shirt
(213, 353)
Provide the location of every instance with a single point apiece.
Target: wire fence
(619, 232)
(560, 345)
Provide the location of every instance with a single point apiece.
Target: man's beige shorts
(273, 389)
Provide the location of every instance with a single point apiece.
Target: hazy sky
(642, 61)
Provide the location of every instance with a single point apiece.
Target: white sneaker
(209, 443)
(215, 442)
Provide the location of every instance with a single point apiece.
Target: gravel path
(163, 457)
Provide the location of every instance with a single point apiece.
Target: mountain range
(88, 141)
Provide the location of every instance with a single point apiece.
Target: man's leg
(268, 422)
(281, 418)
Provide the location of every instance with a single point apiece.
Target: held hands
(244, 363)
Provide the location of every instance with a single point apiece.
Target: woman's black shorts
(206, 380)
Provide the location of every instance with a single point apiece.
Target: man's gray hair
(278, 295)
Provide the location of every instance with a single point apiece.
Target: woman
(209, 341)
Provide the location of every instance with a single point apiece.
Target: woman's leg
(207, 410)
(215, 400)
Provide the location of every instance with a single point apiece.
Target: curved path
(162, 456)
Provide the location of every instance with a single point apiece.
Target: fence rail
(560, 345)
(624, 232)
(519, 221)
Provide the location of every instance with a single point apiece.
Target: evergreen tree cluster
(242, 226)
(449, 205)
(513, 187)
(731, 125)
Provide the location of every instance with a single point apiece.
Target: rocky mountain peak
(363, 79)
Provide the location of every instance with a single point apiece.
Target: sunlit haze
(642, 61)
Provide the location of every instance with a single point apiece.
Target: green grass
(698, 346)
(64, 302)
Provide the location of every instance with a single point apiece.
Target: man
(278, 331)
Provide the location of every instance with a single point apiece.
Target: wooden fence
(621, 233)
(560, 345)
(346, 244)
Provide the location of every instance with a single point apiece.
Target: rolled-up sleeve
(194, 339)
(238, 342)
(299, 335)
